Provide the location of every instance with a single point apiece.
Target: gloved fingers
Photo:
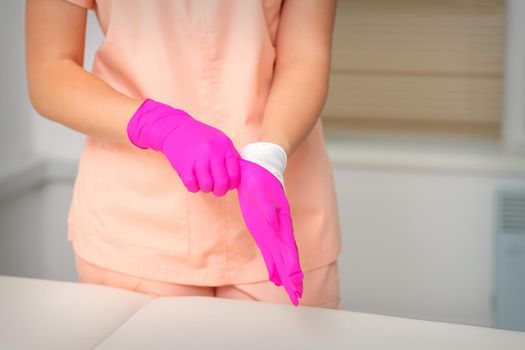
(289, 287)
(292, 270)
(280, 263)
(204, 178)
(189, 180)
(291, 293)
(290, 251)
(221, 180)
(258, 227)
(271, 248)
(276, 279)
(273, 274)
(268, 245)
(297, 280)
(286, 258)
(233, 169)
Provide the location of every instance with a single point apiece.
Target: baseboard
(35, 172)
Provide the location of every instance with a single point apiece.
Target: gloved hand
(266, 213)
(203, 156)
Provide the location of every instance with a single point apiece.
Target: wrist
(268, 155)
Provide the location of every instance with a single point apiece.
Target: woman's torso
(214, 59)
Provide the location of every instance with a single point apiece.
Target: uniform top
(214, 59)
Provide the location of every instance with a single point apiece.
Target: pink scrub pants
(321, 286)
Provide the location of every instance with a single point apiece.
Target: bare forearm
(300, 84)
(295, 102)
(59, 88)
(64, 92)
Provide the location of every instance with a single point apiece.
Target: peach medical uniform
(130, 211)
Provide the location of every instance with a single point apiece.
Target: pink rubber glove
(266, 213)
(203, 156)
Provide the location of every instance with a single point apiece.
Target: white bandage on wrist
(269, 155)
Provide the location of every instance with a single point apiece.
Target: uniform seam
(213, 68)
(203, 42)
(210, 58)
(241, 268)
(227, 236)
(110, 241)
(327, 302)
(188, 226)
(230, 269)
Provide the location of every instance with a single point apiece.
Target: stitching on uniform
(138, 284)
(225, 208)
(210, 77)
(338, 300)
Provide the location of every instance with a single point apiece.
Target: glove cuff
(152, 122)
(269, 155)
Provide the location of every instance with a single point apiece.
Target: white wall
(33, 236)
(418, 244)
(15, 120)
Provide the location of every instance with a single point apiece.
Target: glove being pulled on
(266, 213)
(204, 157)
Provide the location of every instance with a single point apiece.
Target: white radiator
(509, 269)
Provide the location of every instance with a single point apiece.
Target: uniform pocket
(138, 199)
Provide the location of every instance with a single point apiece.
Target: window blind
(421, 66)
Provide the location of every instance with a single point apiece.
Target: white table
(42, 314)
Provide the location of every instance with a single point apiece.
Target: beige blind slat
(421, 60)
(414, 97)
